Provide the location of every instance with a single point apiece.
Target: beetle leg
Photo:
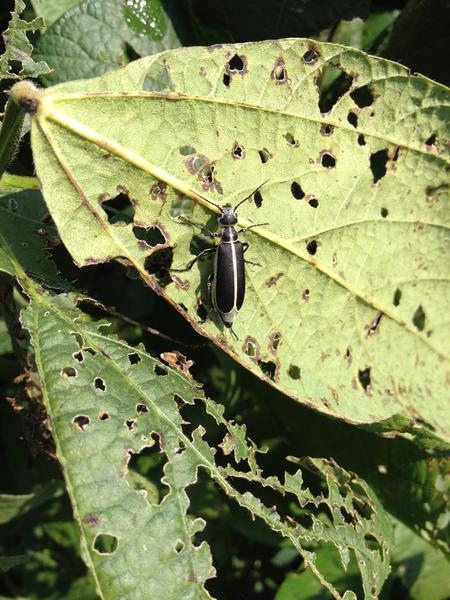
(245, 246)
(201, 227)
(251, 226)
(194, 260)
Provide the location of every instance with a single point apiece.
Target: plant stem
(10, 133)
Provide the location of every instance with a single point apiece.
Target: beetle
(227, 284)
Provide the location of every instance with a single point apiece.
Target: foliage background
(36, 522)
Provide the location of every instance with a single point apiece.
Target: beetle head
(228, 216)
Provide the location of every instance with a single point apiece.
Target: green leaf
(18, 47)
(95, 37)
(13, 506)
(5, 339)
(25, 237)
(9, 562)
(51, 10)
(346, 313)
(424, 570)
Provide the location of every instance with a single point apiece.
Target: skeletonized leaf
(18, 48)
(346, 311)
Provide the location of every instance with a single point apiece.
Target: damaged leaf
(356, 230)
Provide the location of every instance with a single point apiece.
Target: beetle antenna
(250, 195)
(209, 201)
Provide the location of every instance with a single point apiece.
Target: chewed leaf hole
(160, 370)
(251, 347)
(312, 247)
(419, 318)
(397, 297)
(105, 543)
(103, 416)
(294, 372)
(340, 86)
(362, 96)
(275, 340)
(202, 311)
(226, 79)
(264, 155)
(134, 358)
(78, 356)
(378, 162)
(148, 464)
(179, 547)
(99, 384)
(186, 150)
(152, 236)
(311, 56)
(238, 151)
(159, 262)
(141, 408)
(269, 368)
(119, 209)
(313, 202)
(352, 118)
(327, 160)
(361, 140)
(384, 212)
(297, 191)
(81, 421)
(290, 139)
(306, 295)
(131, 424)
(279, 73)
(68, 372)
(236, 64)
(326, 130)
(258, 199)
(364, 378)
(431, 141)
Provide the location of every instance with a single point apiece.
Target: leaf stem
(10, 134)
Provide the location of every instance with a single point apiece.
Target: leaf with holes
(346, 310)
(107, 402)
(18, 48)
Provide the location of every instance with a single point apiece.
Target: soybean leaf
(18, 48)
(108, 401)
(424, 571)
(9, 562)
(26, 237)
(346, 310)
(95, 37)
(51, 10)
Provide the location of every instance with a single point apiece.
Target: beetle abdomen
(229, 279)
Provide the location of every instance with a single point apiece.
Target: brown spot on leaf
(374, 326)
(180, 283)
(348, 355)
(274, 279)
(158, 191)
(91, 520)
(178, 361)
